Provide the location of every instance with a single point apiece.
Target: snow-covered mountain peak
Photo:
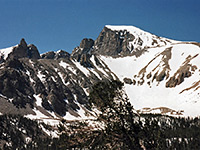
(142, 39)
(131, 29)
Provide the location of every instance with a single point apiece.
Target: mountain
(160, 75)
(163, 79)
(52, 86)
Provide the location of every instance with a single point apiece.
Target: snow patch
(43, 118)
(63, 81)
(29, 74)
(6, 51)
(51, 133)
(3, 96)
(53, 78)
(83, 69)
(63, 64)
(38, 100)
(41, 76)
(67, 66)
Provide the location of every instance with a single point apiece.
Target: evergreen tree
(117, 113)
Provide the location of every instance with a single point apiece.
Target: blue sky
(62, 24)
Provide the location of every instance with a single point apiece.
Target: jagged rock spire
(23, 43)
(23, 50)
(33, 52)
(86, 43)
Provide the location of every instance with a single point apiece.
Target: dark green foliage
(164, 132)
(126, 130)
(103, 93)
(117, 113)
(15, 130)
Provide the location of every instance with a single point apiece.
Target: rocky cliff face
(113, 43)
(82, 53)
(51, 83)
(121, 41)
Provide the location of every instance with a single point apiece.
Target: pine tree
(117, 113)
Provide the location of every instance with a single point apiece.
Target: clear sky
(62, 24)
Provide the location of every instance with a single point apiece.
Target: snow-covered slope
(5, 52)
(162, 78)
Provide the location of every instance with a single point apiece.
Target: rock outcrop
(56, 55)
(33, 52)
(113, 43)
(23, 50)
(83, 52)
(54, 83)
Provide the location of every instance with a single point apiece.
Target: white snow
(27, 140)
(81, 112)
(38, 100)
(83, 69)
(3, 96)
(38, 115)
(41, 76)
(10, 99)
(51, 133)
(130, 65)
(61, 76)
(47, 120)
(31, 62)
(178, 57)
(41, 117)
(146, 37)
(63, 64)
(31, 80)
(56, 69)
(67, 66)
(157, 95)
(98, 68)
(6, 51)
(68, 116)
(29, 74)
(53, 78)
(93, 70)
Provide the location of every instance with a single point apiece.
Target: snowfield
(179, 98)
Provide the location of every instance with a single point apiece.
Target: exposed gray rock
(48, 55)
(33, 52)
(23, 43)
(56, 55)
(14, 63)
(61, 88)
(15, 85)
(19, 51)
(86, 43)
(82, 53)
(113, 43)
(24, 51)
(62, 54)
